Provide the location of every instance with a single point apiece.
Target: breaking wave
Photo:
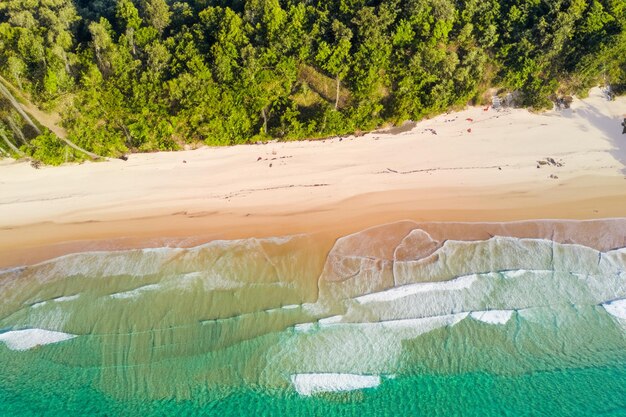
(304, 316)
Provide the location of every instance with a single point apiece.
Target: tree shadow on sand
(610, 126)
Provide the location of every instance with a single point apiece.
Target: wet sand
(33, 243)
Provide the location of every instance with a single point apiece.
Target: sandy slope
(479, 166)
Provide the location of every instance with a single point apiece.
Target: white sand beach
(473, 165)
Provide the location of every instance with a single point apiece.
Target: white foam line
(416, 326)
(425, 323)
(157, 249)
(30, 338)
(616, 308)
(55, 300)
(12, 270)
(310, 384)
(303, 327)
(330, 320)
(66, 298)
(134, 293)
(493, 316)
(283, 308)
(516, 274)
(412, 289)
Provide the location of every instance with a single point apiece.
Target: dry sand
(479, 166)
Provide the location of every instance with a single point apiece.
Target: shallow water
(386, 323)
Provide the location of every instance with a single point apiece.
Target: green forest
(82, 79)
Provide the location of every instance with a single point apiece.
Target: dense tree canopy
(144, 75)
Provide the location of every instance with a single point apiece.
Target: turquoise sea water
(597, 391)
(283, 327)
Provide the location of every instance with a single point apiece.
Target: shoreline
(477, 166)
(29, 244)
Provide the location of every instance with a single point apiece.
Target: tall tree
(335, 57)
(158, 14)
(128, 16)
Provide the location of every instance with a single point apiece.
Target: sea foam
(56, 300)
(616, 308)
(330, 320)
(303, 327)
(425, 324)
(310, 384)
(136, 292)
(30, 338)
(402, 328)
(411, 289)
(493, 316)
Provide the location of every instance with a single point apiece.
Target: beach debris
(184, 161)
(433, 131)
(258, 159)
(469, 119)
(563, 103)
(607, 91)
(429, 171)
(270, 165)
(554, 177)
(124, 158)
(469, 130)
(550, 162)
(509, 100)
(624, 124)
(35, 164)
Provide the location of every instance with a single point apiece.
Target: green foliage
(50, 150)
(158, 14)
(146, 75)
(128, 15)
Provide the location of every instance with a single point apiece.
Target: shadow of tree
(609, 125)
